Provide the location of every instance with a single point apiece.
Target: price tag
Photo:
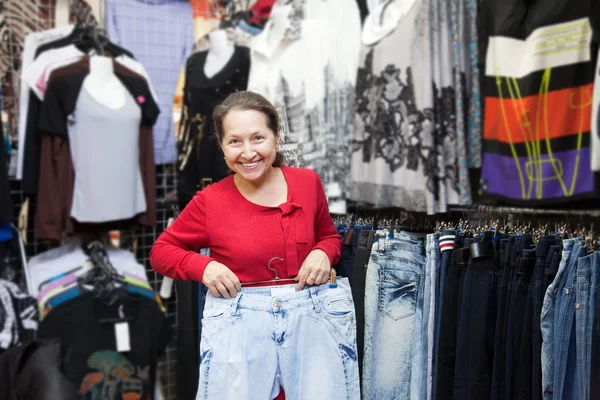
(122, 336)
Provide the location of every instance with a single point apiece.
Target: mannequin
(221, 50)
(103, 85)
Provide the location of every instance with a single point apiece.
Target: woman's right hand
(220, 280)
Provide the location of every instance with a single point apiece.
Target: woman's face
(248, 144)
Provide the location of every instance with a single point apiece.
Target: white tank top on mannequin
(220, 52)
(103, 85)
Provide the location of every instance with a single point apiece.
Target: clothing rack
(482, 209)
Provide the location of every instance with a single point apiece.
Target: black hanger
(106, 281)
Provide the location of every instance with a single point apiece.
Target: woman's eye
(259, 137)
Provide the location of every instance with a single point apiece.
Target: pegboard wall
(17, 19)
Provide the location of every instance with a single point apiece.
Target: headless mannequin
(221, 50)
(102, 84)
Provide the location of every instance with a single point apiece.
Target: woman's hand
(220, 280)
(315, 269)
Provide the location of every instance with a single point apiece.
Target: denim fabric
(393, 360)
(364, 243)
(565, 369)
(433, 249)
(463, 341)
(544, 252)
(595, 367)
(592, 313)
(304, 341)
(484, 306)
(587, 283)
(547, 322)
(446, 335)
(499, 336)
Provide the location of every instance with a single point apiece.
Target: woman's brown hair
(248, 101)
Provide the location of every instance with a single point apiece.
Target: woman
(257, 338)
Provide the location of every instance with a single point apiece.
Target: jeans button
(277, 304)
(567, 291)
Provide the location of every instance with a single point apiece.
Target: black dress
(200, 159)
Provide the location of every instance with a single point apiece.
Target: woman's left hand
(315, 269)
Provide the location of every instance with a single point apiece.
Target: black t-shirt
(199, 155)
(86, 326)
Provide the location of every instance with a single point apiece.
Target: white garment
(64, 259)
(305, 63)
(50, 60)
(30, 46)
(399, 157)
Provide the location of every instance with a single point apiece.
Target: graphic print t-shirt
(92, 361)
(538, 110)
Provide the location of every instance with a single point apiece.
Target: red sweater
(245, 236)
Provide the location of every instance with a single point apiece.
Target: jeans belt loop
(312, 292)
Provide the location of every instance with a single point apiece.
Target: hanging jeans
(547, 322)
(587, 285)
(565, 385)
(506, 246)
(430, 310)
(394, 358)
(364, 242)
(304, 341)
(446, 341)
(595, 367)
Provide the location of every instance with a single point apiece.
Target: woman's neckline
(259, 207)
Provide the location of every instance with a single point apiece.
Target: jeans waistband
(365, 240)
(405, 241)
(261, 298)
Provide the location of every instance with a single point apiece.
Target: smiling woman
(263, 221)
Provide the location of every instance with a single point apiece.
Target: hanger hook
(273, 269)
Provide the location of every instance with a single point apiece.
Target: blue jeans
(431, 311)
(547, 322)
(260, 340)
(587, 284)
(394, 356)
(565, 385)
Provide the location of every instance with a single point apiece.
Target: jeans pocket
(398, 293)
(337, 314)
(338, 307)
(216, 317)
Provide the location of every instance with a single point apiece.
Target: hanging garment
(18, 315)
(86, 325)
(120, 193)
(467, 96)
(538, 110)
(305, 63)
(36, 75)
(160, 44)
(200, 160)
(33, 372)
(6, 211)
(403, 149)
(30, 46)
(396, 265)
(31, 141)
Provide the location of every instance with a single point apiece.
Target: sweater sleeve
(175, 252)
(326, 237)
